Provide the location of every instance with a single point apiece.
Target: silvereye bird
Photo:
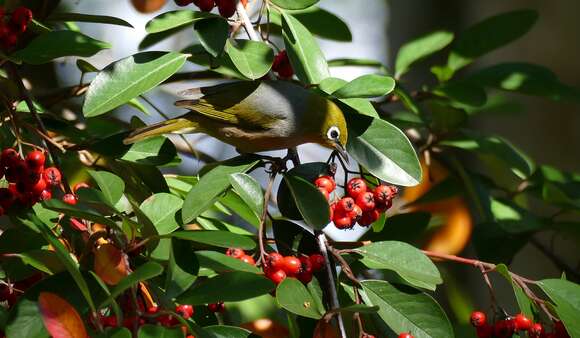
(257, 116)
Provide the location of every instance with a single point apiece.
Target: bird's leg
(293, 156)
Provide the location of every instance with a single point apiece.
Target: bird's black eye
(333, 133)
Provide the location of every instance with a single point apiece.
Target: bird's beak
(339, 148)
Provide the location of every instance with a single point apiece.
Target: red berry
(324, 193)
(6, 198)
(291, 265)
(317, 261)
(9, 157)
(183, 2)
(342, 222)
(560, 330)
(405, 335)
(282, 65)
(35, 160)
(227, 8)
(356, 213)
(52, 176)
(235, 252)
(484, 331)
(1, 211)
(478, 318)
(15, 171)
(277, 276)
(355, 187)
(204, 5)
(69, 199)
(248, 259)
(306, 265)
(275, 260)
(109, 321)
(153, 309)
(369, 217)
(366, 201)
(21, 17)
(39, 187)
(332, 208)
(522, 322)
(345, 205)
(217, 307)
(504, 328)
(325, 182)
(185, 310)
(536, 330)
(304, 277)
(382, 207)
(80, 185)
(45, 195)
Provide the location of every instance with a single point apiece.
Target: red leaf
(60, 318)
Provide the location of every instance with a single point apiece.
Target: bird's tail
(178, 125)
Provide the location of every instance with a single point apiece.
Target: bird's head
(333, 131)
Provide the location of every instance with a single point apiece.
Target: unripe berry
(317, 261)
(523, 323)
(248, 259)
(478, 318)
(69, 199)
(282, 65)
(185, 310)
(52, 176)
(369, 217)
(366, 201)
(277, 276)
(355, 187)
(325, 182)
(204, 5)
(291, 265)
(235, 252)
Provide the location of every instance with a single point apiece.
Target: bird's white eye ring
(333, 133)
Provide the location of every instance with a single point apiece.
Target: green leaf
(252, 58)
(513, 218)
(79, 17)
(128, 78)
(488, 35)
(152, 151)
(225, 331)
(43, 260)
(211, 185)
(318, 21)
(79, 210)
(249, 190)
(85, 67)
(383, 150)
(360, 308)
(142, 273)
(110, 184)
(463, 93)
(222, 239)
(294, 4)
(293, 296)
(304, 53)
(420, 48)
(174, 19)
(227, 287)
(310, 202)
(566, 298)
(524, 303)
(25, 321)
(407, 310)
(366, 86)
(406, 260)
(156, 331)
(162, 209)
(219, 262)
(116, 332)
(212, 34)
(52, 45)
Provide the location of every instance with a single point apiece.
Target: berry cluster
(226, 8)
(405, 335)
(362, 204)
(11, 27)
(241, 255)
(28, 181)
(507, 327)
(278, 267)
(282, 66)
(151, 315)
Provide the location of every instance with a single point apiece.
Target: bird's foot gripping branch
(103, 235)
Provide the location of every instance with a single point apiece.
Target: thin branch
(246, 22)
(264, 215)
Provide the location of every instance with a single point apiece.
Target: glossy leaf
(152, 151)
(252, 58)
(222, 239)
(79, 17)
(26, 321)
(142, 273)
(79, 210)
(226, 331)
(407, 261)
(249, 190)
(212, 34)
(110, 184)
(52, 45)
(294, 4)
(174, 19)
(366, 86)
(566, 298)
(303, 51)
(210, 186)
(420, 48)
(110, 264)
(156, 331)
(318, 21)
(383, 150)
(293, 296)
(219, 262)
(407, 310)
(488, 35)
(128, 78)
(227, 287)
(524, 303)
(60, 318)
(310, 202)
(162, 210)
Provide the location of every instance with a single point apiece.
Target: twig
(246, 22)
(264, 215)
